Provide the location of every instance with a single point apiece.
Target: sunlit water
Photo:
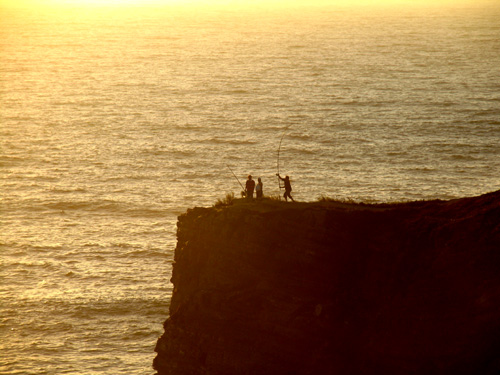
(114, 123)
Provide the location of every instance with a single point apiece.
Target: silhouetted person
(288, 187)
(249, 187)
(259, 189)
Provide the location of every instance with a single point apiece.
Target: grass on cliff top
(228, 200)
(357, 202)
(347, 200)
(326, 199)
(273, 201)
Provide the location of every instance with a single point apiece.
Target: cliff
(336, 288)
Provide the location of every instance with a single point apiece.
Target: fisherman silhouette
(288, 187)
(249, 187)
(259, 189)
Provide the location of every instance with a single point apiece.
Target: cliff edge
(336, 288)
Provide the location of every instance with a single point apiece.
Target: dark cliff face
(331, 288)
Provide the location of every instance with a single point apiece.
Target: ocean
(115, 121)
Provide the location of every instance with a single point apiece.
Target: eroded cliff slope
(333, 288)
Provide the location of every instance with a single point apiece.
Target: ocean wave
(171, 153)
(24, 264)
(129, 306)
(107, 205)
(44, 247)
(187, 128)
(150, 253)
(465, 157)
(141, 333)
(236, 92)
(424, 169)
(144, 212)
(10, 160)
(126, 245)
(93, 244)
(222, 141)
(67, 190)
(110, 206)
(299, 151)
(298, 136)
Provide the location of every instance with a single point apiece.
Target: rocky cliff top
(336, 288)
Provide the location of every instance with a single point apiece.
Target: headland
(336, 288)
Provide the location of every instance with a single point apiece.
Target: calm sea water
(114, 122)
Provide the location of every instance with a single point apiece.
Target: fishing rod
(278, 162)
(235, 177)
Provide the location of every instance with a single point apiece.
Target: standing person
(288, 187)
(259, 189)
(249, 187)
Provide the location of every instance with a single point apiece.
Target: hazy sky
(121, 3)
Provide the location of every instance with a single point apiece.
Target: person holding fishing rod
(288, 187)
(286, 180)
(249, 187)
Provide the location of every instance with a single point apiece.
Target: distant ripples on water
(112, 124)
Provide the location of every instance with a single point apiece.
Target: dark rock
(336, 288)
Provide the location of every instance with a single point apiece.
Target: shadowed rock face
(333, 288)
